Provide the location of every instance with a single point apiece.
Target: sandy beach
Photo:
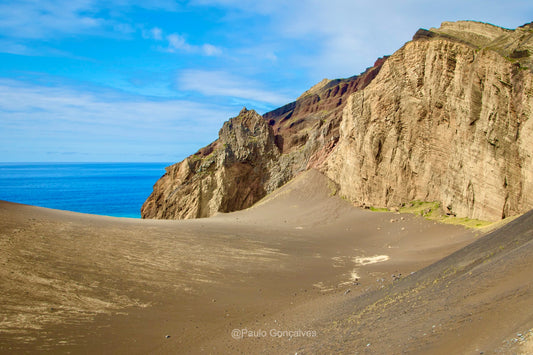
(301, 271)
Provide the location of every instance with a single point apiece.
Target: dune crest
(73, 282)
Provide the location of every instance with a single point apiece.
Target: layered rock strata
(256, 154)
(446, 118)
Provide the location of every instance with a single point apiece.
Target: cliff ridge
(446, 118)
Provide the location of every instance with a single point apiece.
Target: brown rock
(231, 177)
(445, 120)
(254, 155)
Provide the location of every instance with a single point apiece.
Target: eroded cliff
(230, 174)
(256, 154)
(446, 118)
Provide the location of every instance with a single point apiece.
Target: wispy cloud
(24, 21)
(157, 33)
(65, 119)
(40, 19)
(56, 18)
(154, 33)
(178, 43)
(15, 48)
(342, 37)
(220, 83)
(210, 50)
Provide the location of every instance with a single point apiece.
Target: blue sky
(125, 80)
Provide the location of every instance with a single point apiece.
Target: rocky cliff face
(446, 118)
(230, 174)
(256, 154)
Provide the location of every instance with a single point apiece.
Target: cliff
(256, 154)
(445, 118)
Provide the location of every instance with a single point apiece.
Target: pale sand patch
(527, 347)
(367, 260)
(353, 277)
(338, 261)
(320, 285)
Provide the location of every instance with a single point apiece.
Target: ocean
(109, 189)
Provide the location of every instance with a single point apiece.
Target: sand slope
(82, 283)
(477, 300)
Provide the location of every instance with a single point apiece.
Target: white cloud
(157, 33)
(178, 43)
(343, 37)
(220, 83)
(60, 18)
(39, 19)
(210, 50)
(36, 119)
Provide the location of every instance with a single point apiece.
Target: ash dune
(75, 282)
(477, 300)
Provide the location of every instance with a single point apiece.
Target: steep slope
(447, 119)
(474, 301)
(256, 154)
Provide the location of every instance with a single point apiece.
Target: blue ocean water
(110, 189)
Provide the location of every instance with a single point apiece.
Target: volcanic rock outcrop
(256, 154)
(446, 118)
(228, 175)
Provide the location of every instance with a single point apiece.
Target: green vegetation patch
(466, 222)
(422, 208)
(333, 188)
(379, 209)
(432, 211)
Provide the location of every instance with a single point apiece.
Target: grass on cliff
(379, 209)
(333, 188)
(433, 212)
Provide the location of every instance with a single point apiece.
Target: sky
(153, 81)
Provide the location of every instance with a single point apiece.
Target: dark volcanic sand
(89, 284)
